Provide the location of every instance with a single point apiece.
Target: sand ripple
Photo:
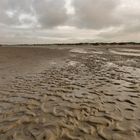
(87, 98)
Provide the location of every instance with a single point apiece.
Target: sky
(69, 21)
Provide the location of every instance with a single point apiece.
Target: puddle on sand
(134, 53)
(72, 63)
(78, 50)
(84, 51)
(130, 50)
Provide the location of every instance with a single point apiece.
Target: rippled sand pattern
(87, 97)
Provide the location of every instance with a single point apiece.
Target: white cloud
(69, 7)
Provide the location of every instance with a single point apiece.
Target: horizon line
(77, 43)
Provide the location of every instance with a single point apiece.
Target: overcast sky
(56, 21)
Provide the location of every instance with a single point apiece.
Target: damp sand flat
(69, 94)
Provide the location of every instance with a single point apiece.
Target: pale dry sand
(70, 93)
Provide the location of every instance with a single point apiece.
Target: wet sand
(70, 93)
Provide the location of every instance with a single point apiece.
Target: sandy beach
(70, 92)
